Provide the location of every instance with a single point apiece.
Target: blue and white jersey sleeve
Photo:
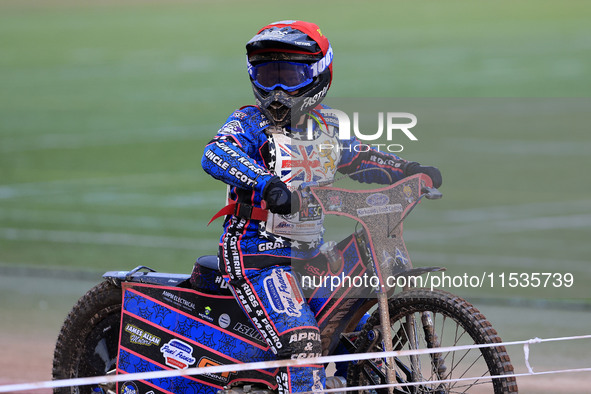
(368, 165)
(234, 154)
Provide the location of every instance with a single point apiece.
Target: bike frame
(381, 212)
(167, 325)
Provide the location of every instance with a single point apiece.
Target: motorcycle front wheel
(88, 340)
(425, 319)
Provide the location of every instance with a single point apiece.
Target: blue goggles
(289, 76)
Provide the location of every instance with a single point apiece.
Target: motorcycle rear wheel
(420, 319)
(88, 340)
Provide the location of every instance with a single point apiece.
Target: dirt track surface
(26, 359)
(29, 360)
(33, 310)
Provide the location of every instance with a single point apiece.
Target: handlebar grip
(431, 193)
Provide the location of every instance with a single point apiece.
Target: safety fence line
(290, 363)
(433, 382)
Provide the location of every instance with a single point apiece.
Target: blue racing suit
(255, 256)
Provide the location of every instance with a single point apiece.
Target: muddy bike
(142, 321)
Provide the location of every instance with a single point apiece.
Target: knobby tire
(465, 326)
(88, 340)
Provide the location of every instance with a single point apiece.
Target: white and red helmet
(290, 68)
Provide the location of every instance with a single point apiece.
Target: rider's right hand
(412, 167)
(279, 199)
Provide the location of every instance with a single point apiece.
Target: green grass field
(105, 108)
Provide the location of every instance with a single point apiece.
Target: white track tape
(284, 363)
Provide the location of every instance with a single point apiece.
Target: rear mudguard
(143, 274)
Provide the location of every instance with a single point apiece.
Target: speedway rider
(263, 155)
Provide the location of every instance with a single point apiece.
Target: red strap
(242, 211)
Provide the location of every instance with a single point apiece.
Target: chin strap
(242, 210)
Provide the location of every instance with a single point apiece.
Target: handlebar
(430, 193)
(308, 185)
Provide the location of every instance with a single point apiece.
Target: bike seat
(210, 262)
(207, 277)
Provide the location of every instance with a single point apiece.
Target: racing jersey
(248, 152)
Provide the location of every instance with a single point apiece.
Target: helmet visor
(288, 76)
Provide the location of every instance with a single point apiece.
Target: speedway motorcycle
(142, 320)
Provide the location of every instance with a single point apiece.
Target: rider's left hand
(413, 167)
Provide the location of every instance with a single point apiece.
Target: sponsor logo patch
(377, 199)
(379, 210)
(178, 301)
(249, 331)
(208, 362)
(224, 320)
(239, 114)
(141, 337)
(205, 314)
(129, 388)
(407, 193)
(311, 213)
(335, 201)
(232, 127)
(178, 354)
(284, 294)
